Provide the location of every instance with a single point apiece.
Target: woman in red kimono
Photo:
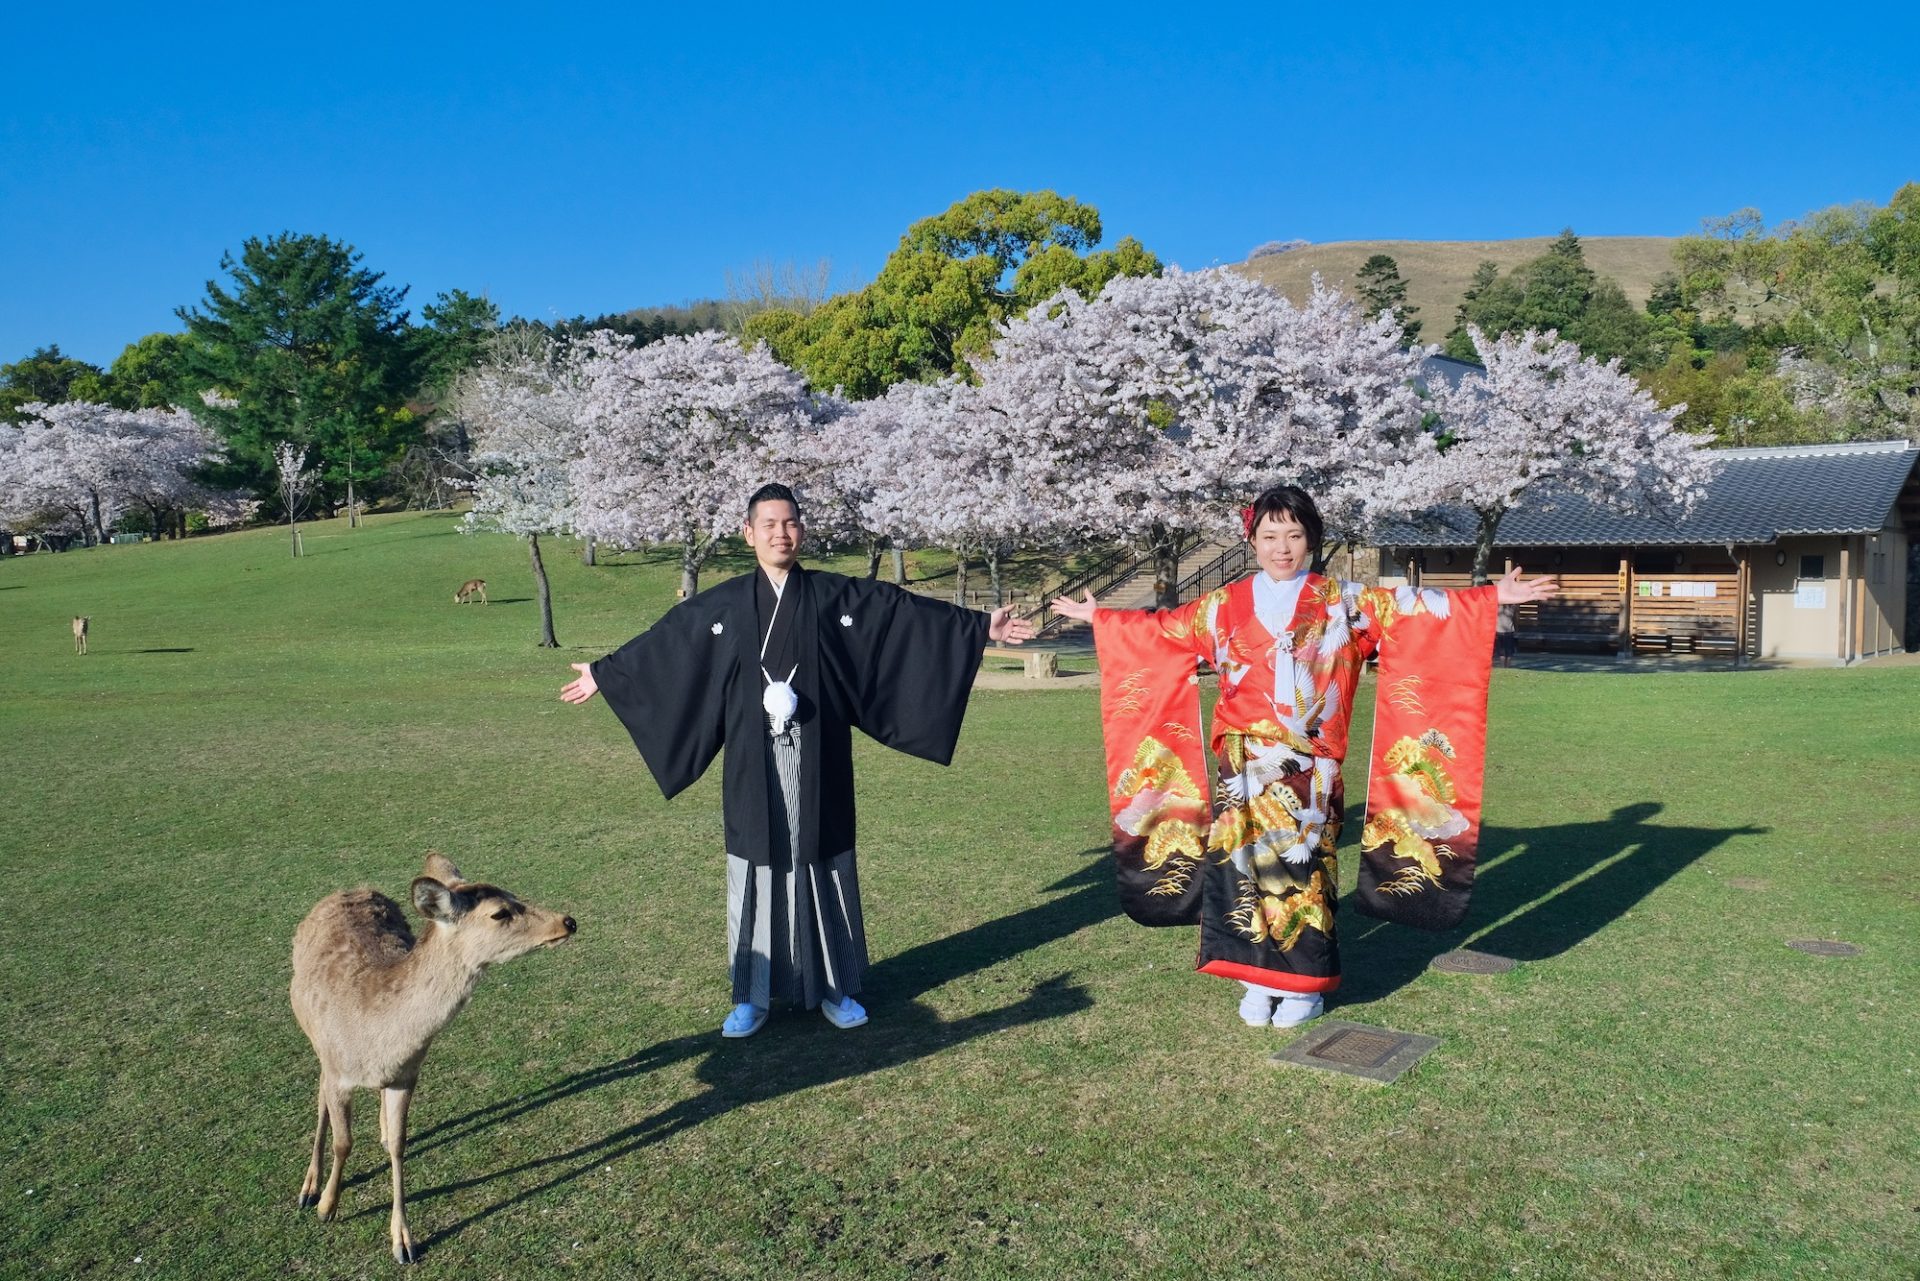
(1259, 872)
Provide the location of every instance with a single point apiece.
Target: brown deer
(467, 590)
(80, 634)
(371, 998)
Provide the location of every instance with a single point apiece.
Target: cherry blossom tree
(676, 434)
(1149, 413)
(1545, 422)
(37, 493)
(91, 462)
(294, 483)
(521, 403)
(941, 469)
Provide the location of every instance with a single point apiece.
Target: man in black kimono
(781, 666)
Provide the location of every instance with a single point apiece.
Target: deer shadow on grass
(797, 1052)
(1545, 889)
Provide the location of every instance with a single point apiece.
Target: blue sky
(595, 159)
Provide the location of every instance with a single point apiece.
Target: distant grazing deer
(371, 999)
(467, 590)
(80, 635)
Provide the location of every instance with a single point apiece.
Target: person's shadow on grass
(1548, 889)
(797, 1055)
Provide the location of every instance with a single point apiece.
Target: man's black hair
(1292, 501)
(771, 493)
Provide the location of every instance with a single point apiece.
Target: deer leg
(339, 1104)
(310, 1186)
(393, 1135)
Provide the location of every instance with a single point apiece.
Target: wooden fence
(1628, 612)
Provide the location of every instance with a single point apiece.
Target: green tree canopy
(48, 374)
(152, 373)
(1557, 291)
(1841, 285)
(932, 309)
(458, 326)
(305, 345)
(1381, 289)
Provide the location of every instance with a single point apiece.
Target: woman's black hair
(1289, 500)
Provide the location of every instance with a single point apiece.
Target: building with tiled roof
(1794, 552)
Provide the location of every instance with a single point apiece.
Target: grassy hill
(1438, 272)
(1662, 1089)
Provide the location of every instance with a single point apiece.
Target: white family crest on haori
(718, 628)
(846, 620)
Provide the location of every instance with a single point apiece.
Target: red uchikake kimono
(1260, 876)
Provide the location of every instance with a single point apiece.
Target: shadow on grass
(178, 650)
(1546, 889)
(798, 1052)
(730, 558)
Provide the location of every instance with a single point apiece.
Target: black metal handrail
(1235, 562)
(1119, 557)
(1111, 572)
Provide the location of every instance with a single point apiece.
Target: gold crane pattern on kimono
(1411, 808)
(1280, 734)
(1263, 887)
(1165, 806)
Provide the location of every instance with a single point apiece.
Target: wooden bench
(1541, 639)
(1040, 664)
(1678, 641)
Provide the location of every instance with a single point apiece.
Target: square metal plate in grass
(1467, 961)
(1373, 1053)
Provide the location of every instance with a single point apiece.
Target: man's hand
(1004, 629)
(1514, 592)
(582, 687)
(1082, 609)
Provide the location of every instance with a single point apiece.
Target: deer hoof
(308, 1200)
(404, 1251)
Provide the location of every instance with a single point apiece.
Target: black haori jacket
(864, 655)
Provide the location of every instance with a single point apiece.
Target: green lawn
(1662, 1089)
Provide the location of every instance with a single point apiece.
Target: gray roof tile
(1758, 496)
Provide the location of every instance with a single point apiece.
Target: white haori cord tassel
(779, 702)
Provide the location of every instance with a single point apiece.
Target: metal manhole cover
(1824, 947)
(1373, 1053)
(1467, 961)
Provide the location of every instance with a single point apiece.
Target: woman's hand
(582, 687)
(1004, 629)
(1514, 592)
(1068, 607)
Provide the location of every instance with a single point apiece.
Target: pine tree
(305, 346)
(1381, 289)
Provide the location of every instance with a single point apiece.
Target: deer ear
(434, 900)
(441, 868)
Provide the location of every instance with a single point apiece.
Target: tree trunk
(875, 550)
(689, 571)
(993, 574)
(293, 534)
(99, 526)
(546, 596)
(353, 510)
(586, 552)
(1166, 568)
(900, 566)
(1483, 546)
(960, 579)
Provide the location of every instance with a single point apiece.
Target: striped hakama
(793, 932)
